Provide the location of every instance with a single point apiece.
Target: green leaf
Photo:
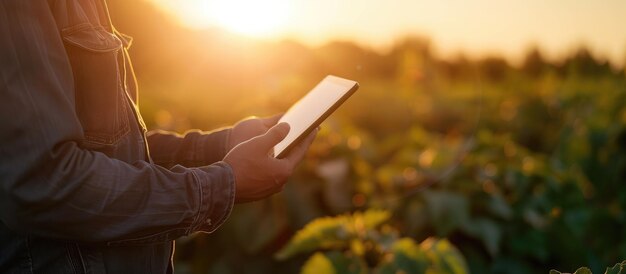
(487, 231)
(257, 224)
(374, 217)
(498, 206)
(320, 233)
(618, 268)
(385, 268)
(583, 270)
(346, 263)
(447, 210)
(552, 271)
(332, 232)
(444, 257)
(409, 257)
(318, 264)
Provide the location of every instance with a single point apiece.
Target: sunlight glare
(255, 18)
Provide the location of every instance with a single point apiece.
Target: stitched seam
(228, 208)
(72, 29)
(69, 31)
(195, 222)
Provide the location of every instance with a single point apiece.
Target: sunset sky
(476, 27)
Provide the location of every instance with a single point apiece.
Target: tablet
(310, 111)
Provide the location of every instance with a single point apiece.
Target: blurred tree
(457, 68)
(534, 63)
(414, 61)
(281, 60)
(352, 61)
(624, 64)
(582, 62)
(494, 68)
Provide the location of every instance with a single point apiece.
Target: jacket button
(208, 222)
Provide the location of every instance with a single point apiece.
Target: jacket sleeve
(192, 149)
(50, 187)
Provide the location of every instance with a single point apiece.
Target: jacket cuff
(217, 196)
(212, 146)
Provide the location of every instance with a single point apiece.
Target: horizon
(462, 28)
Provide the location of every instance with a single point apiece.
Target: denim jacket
(80, 192)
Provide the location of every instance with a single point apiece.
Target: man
(84, 188)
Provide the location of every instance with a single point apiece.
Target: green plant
(362, 243)
(531, 189)
(619, 268)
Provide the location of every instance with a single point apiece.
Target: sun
(248, 17)
(251, 17)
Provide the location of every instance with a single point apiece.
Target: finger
(272, 137)
(247, 119)
(298, 152)
(271, 121)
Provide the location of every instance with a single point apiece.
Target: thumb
(271, 121)
(273, 136)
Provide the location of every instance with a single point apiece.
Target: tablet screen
(309, 112)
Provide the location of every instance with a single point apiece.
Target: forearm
(85, 196)
(194, 148)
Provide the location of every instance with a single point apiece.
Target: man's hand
(257, 173)
(247, 129)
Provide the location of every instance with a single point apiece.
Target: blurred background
(497, 125)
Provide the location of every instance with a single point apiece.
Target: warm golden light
(247, 17)
(478, 27)
(251, 17)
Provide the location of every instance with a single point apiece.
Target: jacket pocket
(100, 98)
